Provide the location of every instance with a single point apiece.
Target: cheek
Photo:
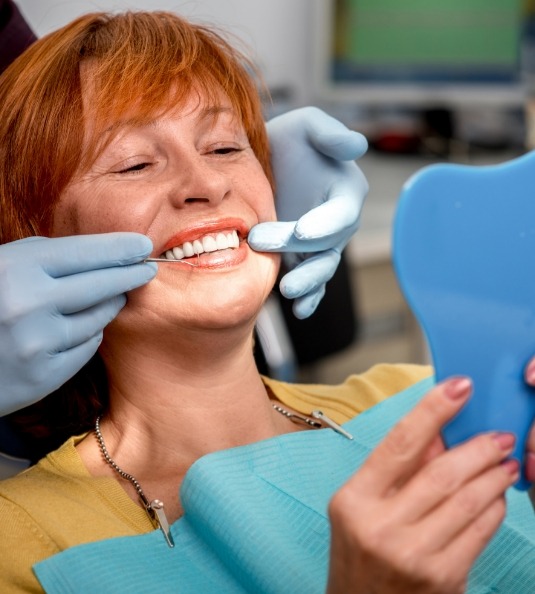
(64, 222)
(72, 220)
(80, 212)
(262, 200)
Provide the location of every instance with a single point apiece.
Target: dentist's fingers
(59, 333)
(305, 306)
(339, 213)
(329, 224)
(62, 256)
(28, 239)
(84, 326)
(75, 293)
(331, 138)
(310, 274)
(65, 364)
(280, 237)
(273, 237)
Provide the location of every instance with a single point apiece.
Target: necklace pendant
(156, 510)
(297, 418)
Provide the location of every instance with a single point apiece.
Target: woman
(153, 125)
(308, 134)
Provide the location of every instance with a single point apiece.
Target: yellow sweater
(57, 504)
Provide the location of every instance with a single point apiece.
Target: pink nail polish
(530, 373)
(530, 467)
(458, 388)
(511, 466)
(505, 441)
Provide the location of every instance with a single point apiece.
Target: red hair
(136, 58)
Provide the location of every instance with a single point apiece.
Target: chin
(232, 303)
(222, 316)
(204, 301)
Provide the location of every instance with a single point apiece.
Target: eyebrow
(215, 110)
(206, 113)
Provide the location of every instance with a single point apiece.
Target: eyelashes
(227, 150)
(223, 151)
(137, 168)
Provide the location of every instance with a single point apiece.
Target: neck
(179, 402)
(170, 404)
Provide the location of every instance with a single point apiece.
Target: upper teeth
(208, 243)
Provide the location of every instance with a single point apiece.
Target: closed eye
(226, 150)
(134, 168)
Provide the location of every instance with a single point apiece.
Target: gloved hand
(319, 195)
(56, 297)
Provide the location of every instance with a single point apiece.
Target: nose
(201, 180)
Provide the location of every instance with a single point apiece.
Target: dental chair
(12, 454)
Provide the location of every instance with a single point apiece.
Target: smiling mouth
(207, 244)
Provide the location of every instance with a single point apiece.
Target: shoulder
(69, 503)
(30, 487)
(390, 378)
(34, 498)
(57, 504)
(34, 512)
(23, 543)
(357, 393)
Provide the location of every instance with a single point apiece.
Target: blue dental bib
(256, 522)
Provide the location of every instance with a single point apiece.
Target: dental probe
(171, 261)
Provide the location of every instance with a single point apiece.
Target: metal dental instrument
(172, 261)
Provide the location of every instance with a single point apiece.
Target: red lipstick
(205, 228)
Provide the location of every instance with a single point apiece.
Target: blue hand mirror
(464, 253)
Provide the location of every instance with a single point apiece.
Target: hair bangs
(136, 66)
(159, 60)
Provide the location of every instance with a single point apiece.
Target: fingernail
(458, 388)
(530, 373)
(512, 467)
(505, 441)
(530, 467)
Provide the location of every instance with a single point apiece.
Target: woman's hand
(415, 517)
(529, 375)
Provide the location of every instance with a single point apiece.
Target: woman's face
(189, 181)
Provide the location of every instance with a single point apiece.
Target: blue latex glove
(320, 192)
(57, 296)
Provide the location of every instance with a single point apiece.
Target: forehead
(180, 96)
(105, 115)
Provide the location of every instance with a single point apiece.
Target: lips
(205, 238)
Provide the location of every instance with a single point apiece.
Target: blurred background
(425, 80)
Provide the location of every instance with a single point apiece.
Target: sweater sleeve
(22, 545)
